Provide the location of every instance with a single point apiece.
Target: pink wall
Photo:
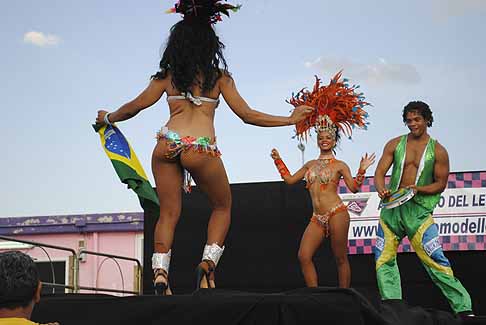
(94, 271)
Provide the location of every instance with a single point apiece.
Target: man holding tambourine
(419, 175)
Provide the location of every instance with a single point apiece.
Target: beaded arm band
(282, 169)
(106, 119)
(360, 176)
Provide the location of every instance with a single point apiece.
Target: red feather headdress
(337, 107)
(210, 10)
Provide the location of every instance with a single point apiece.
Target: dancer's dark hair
(194, 53)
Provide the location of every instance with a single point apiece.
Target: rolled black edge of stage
(219, 306)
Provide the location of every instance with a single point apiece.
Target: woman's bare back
(189, 119)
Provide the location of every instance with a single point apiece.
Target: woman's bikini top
(321, 171)
(196, 100)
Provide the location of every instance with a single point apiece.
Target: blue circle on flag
(116, 143)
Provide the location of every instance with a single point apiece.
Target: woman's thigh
(210, 175)
(168, 175)
(311, 240)
(339, 227)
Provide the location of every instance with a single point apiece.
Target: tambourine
(397, 198)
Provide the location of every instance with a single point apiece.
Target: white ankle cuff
(213, 253)
(161, 261)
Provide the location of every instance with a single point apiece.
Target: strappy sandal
(203, 273)
(160, 265)
(161, 287)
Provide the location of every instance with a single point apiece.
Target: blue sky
(61, 61)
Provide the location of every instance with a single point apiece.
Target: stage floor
(218, 306)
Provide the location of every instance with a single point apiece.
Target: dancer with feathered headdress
(338, 108)
(193, 73)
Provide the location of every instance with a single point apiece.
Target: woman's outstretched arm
(147, 98)
(248, 115)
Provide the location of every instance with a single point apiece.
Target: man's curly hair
(420, 108)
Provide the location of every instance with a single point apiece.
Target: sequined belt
(323, 219)
(177, 144)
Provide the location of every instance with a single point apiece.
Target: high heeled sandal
(161, 288)
(211, 255)
(160, 265)
(204, 274)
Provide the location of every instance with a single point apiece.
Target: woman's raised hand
(367, 161)
(274, 154)
(300, 113)
(100, 117)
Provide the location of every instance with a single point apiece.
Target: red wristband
(282, 169)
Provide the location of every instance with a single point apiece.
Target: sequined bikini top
(322, 172)
(196, 100)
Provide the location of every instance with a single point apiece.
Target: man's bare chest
(414, 153)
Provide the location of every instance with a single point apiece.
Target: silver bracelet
(106, 120)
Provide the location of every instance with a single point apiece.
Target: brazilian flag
(127, 166)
